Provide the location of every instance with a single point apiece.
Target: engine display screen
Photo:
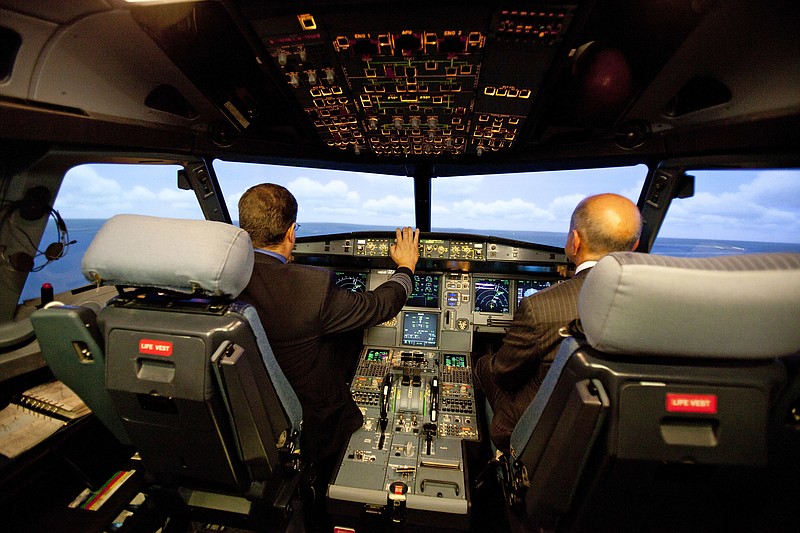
(352, 281)
(526, 287)
(426, 292)
(420, 328)
(491, 295)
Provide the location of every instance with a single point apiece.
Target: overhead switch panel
(421, 90)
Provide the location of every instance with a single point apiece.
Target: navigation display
(526, 287)
(426, 292)
(420, 328)
(352, 281)
(491, 295)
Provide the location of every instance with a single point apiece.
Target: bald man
(511, 377)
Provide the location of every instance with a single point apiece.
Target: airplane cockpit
(139, 392)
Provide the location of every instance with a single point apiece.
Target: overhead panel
(430, 87)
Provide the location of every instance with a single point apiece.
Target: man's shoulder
(567, 285)
(276, 268)
(568, 288)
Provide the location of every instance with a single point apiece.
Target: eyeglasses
(296, 227)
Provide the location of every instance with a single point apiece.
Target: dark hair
(266, 212)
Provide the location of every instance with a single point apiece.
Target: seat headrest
(732, 307)
(190, 256)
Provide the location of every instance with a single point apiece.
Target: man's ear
(289, 234)
(576, 242)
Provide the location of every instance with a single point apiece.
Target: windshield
(329, 201)
(531, 206)
(732, 211)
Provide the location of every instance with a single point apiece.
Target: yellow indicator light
(307, 22)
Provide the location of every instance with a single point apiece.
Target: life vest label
(155, 347)
(691, 403)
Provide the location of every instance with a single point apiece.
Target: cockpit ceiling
(392, 79)
(441, 82)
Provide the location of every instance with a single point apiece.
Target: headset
(33, 206)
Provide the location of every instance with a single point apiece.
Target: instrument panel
(413, 380)
(446, 304)
(413, 384)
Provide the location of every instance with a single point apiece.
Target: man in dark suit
(511, 377)
(301, 307)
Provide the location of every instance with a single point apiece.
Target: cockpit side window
(734, 212)
(89, 195)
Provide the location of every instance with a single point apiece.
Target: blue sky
(733, 205)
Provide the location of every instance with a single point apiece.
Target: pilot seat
(189, 370)
(669, 406)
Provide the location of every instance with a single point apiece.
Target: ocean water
(65, 273)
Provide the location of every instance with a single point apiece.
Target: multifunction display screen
(491, 295)
(377, 355)
(426, 292)
(352, 281)
(420, 328)
(456, 360)
(526, 287)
